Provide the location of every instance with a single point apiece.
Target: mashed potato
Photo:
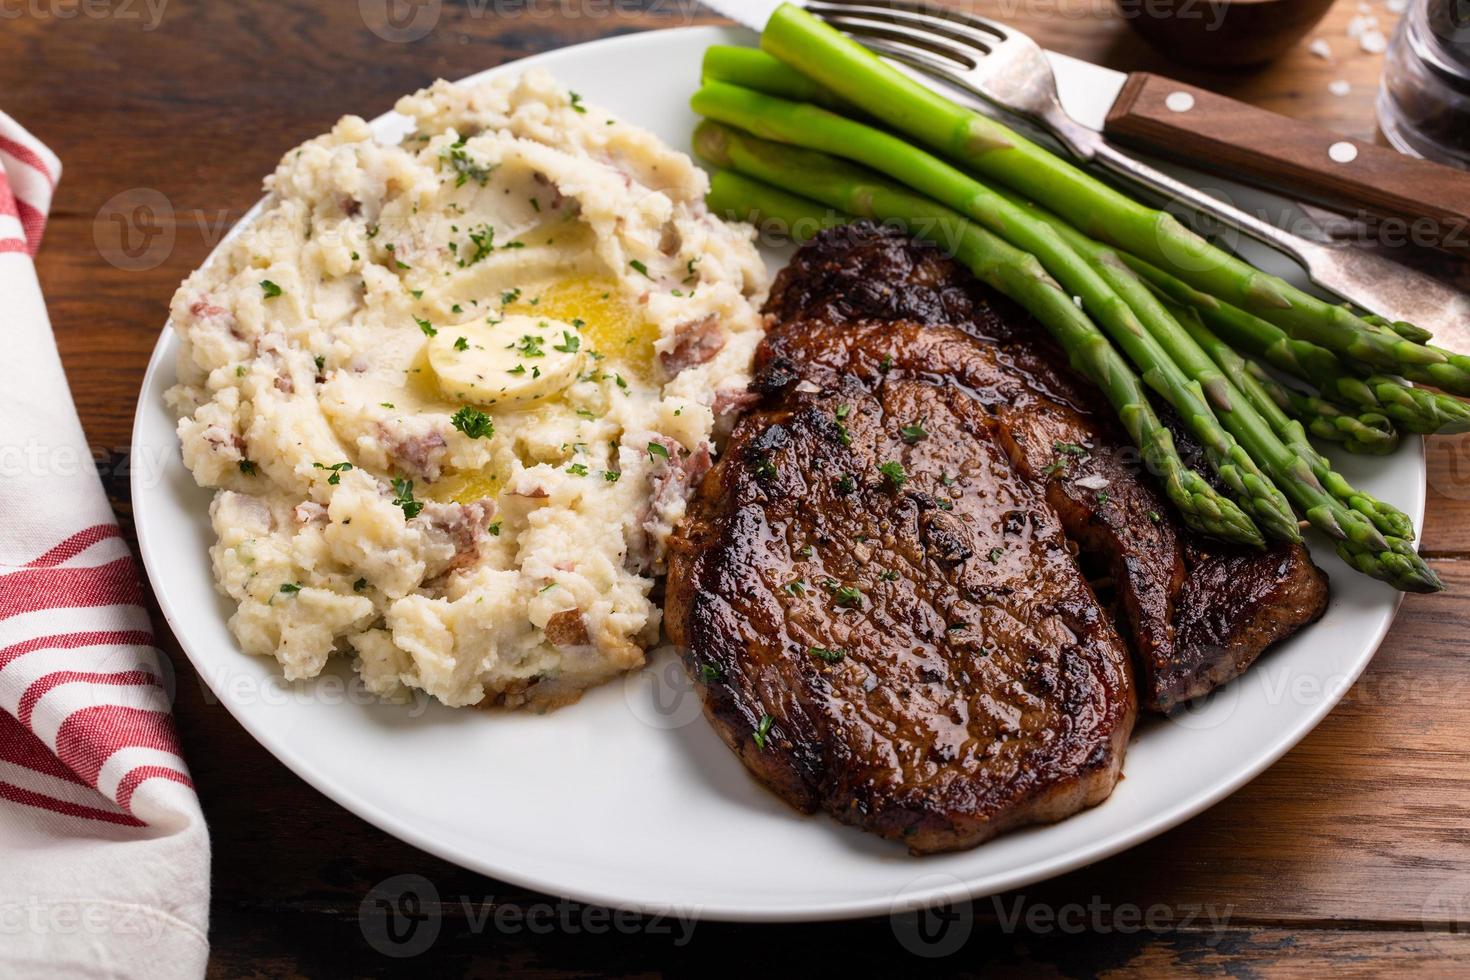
(452, 394)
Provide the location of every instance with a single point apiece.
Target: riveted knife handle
(1428, 201)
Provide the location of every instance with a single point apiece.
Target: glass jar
(1424, 101)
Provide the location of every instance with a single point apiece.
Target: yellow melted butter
(614, 325)
(465, 488)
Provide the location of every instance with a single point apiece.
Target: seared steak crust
(1189, 632)
(878, 587)
(934, 666)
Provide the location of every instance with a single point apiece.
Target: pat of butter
(517, 359)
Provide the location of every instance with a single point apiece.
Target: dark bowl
(1222, 33)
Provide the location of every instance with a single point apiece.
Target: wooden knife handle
(1429, 202)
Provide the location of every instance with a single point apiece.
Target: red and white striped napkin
(104, 856)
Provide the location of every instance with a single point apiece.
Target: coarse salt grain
(1339, 87)
(1321, 49)
(1373, 42)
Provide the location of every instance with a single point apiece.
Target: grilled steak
(882, 586)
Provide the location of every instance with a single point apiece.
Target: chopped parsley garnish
(270, 289)
(797, 588)
(847, 484)
(290, 588)
(336, 469)
(461, 343)
(577, 102)
(321, 363)
(828, 656)
(763, 730)
(1153, 515)
(1057, 465)
(611, 476)
(403, 497)
(994, 555)
(843, 436)
(888, 575)
(886, 364)
(913, 433)
(893, 472)
(570, 343)
(657, 449)
(586, 413)
(473, 423)
(530, 346)
(466, 166)
(1069, 449)
(710, 674)
(509, 296)
(847, 596)
(426, 327)
(763, 468)
(484, 242)
(577, 469)
(843, 411)
(247, 466)
(494, 529)
(518, 369)
(1102, 497)
(359, 585)
(640, 268)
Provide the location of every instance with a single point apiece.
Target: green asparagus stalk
(996, 151)
(1346, 383)
(856, 191)
(860, 192)
(814, 128)
(1240, 413)
(1386, 518)
(754, 69)
(1367, 433)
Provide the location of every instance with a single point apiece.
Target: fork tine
(933, 12)
(917, 26)
(901, 37)
(932, 68)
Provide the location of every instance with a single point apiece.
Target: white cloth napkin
(104, 856)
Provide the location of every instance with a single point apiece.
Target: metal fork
(1006, 68)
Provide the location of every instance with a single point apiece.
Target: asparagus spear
(1386, 518)
(1368, 433)
(1424, 412)
(808, 126)
(996, 151)
(852, 189)
(1256, 422)
(754, 69)
(858, 191)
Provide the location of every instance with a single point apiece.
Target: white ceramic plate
(628, 798)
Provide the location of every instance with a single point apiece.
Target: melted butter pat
(613, 324)
(465, 488)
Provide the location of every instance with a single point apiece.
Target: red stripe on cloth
(91, 735)
(142, 774)
(72, 641)
(28, 157)
(34, 223)
(31, 798)
(8, 207)
(35, 589)
(76, 544)
(39, 687)
(14, 245)
(20, 746)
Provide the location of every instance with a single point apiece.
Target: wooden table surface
(1351, 854)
